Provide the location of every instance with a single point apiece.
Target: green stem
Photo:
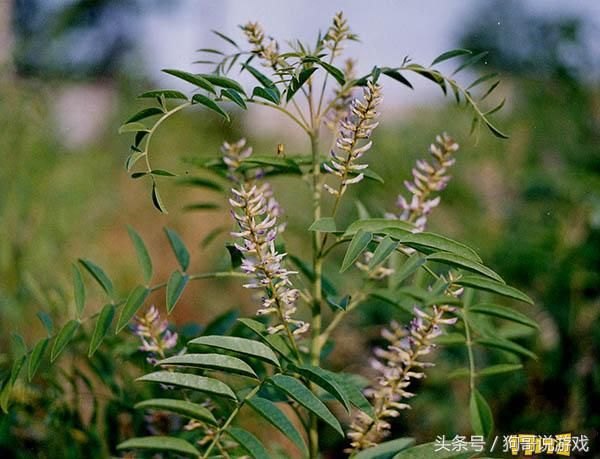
(469, 344)
(230, 420)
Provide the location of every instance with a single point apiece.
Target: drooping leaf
(241, 346)
(248, 442)
(332, 70)
(145, 113)
(179, 249)
(261, 77)
(481, 283)
(190, 381)
(503, 313)
(78, 290)
(396, 75)
(99, 276)
(301, 394)
(461, 262)
(449, 55)
(297, 83)
(266, 93)
(134, 301)
(378, 226)
(506, 345)
(65, 335)
(357, 246)
(103, 323)
(175, 286)
(222, 82)
(142, 254)
(166, 93)
(269, 411)
(156, 199)
(191, 78)
(234, 97)
(384, 249)
(471, 61)
(385, 450)
(211, 104)
(324, 225)
(180, 407)
(326, 380)
(482, 421)
(218, 362)
(160, 443)
(36, 357)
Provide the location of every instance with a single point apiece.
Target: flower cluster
(258, 230)
(357, 126)
(428, 178)
(154, 333)
(338, 32)
(233, 155)
(398, 364)
(267, 49)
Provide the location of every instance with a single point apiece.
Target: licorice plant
(274, 365)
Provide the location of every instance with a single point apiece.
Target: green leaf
(471, 61)
(275, 342)
(430, 451)
(326, 380)
(102, 326)
(430, 242)
(281, 163)
(503, 313)
(200, 206)
(499, 369)
(200, 182)
(248, 442)
(234, 97)
(160, 443)
(162, 173)
(190, 381)
(449, 55)
(242, 346)
(143, 114)
(134, 301)
(324, 225)
(132, 127)
(507, 346)
(306, 269)
(211, 104)
(46, 321)
(482, 79)
(156, 200)
(179, 249)
(8, 385)
(219, 362)
(266, 93)
(461, 262)
(65, 335)
(481, 283)
(358, 244)
(354, 393)
(378, 226)
(78, 290)
(298, 392)
(395, 75)
(333, 71)
(36, 357)
(383, 251)
(222, 82)
(385, 450)
(180, 407)
(191, 78)
(99, 276)
(175, 286)
(142, 254)
(481, 415)
(226, 38)
(261, 77)
(412, 263)
(298, 82)
(269, 411)
(166, 93)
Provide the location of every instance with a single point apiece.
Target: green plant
(281, 357)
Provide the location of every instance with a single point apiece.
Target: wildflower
(233, 155)
(154, 333)
(258, 230)
(357, 126)
(338, 32)
(398, 364)
(267, 50)
(428, 178)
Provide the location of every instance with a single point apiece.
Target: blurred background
(69, 74)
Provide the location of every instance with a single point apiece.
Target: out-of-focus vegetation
(530, 205)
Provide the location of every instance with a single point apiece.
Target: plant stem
(469, 344)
